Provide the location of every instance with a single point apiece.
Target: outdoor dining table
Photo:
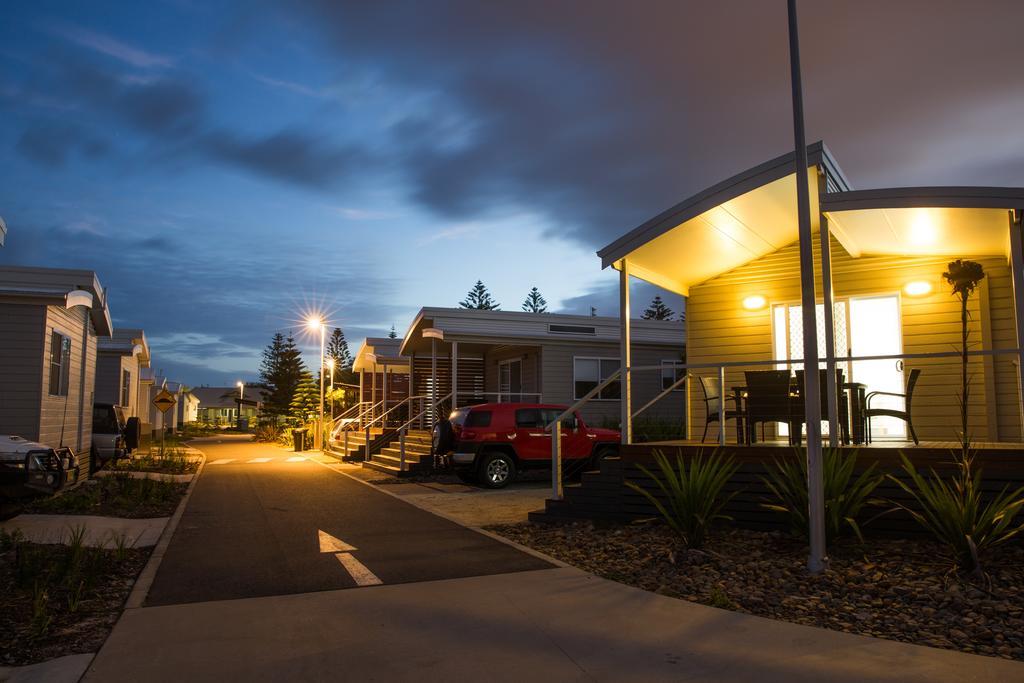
(856, 392)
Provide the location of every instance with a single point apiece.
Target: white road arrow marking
(296, 459)
(257, 460)
(222, 461)
(330, 544)
(356, 569)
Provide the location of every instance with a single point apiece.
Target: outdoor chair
(797, 404)
(712, 397)
(767, 400)
(904, 414)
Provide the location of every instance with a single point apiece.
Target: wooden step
(396, 455)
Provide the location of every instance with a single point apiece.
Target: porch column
(625, 401)
(373, 391)
(1017, 272)
(362, 396)
(433, 381)
(454, 366)
(387, 385)
(830, 335)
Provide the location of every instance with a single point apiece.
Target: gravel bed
(890, 588)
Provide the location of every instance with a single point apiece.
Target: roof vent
(572, 329)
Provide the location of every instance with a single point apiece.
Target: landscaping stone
(897, 589)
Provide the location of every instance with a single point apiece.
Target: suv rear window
(478, 418)
(536, 417)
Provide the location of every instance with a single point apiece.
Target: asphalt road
(253, 529)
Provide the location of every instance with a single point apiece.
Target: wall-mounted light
(918, 288)
(755, 302)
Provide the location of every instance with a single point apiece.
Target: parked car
(27, 467)
(492, 442)
(113, 436)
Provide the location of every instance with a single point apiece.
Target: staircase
(417, 455)
(356, 444)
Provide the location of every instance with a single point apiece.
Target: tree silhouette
(280, 372)
(535, 303)
(479, 298)
(392, 334)
(657, 310)
(337, 348)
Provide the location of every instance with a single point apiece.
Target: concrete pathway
(67, 669)
(552, 625)
(99, 531)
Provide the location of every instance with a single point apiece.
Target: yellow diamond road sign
(164, 401)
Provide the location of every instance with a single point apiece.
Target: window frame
(675, 366)
(601, 376)
(126, 388)
(59, 340)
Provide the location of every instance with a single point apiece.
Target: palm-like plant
(954, 511)
(845, 496)
(692, 493)
(964, 277)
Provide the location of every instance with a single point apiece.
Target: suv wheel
(497, 470)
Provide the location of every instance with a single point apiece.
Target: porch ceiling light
(433, 333)
(918, 288)
(755, 302)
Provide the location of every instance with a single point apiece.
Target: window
(126, 387)
(478, 418)
(589, 372)
(671, 372)
(60, 362)
(536, 418)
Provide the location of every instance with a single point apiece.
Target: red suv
(493, 441)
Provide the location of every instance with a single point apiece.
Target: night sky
(225, 167)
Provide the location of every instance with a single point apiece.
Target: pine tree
(280, 372)
(337, 348)
(535, 303)
(305, 403)
(392, 334)
(657, 310)
(479, 298)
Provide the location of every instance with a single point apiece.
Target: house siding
(558, 381)
(68, 420)
(21, 369)
(719, 329)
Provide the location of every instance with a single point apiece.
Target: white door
(875, 331)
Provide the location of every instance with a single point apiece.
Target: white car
(27, 466)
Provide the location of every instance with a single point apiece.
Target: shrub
(693, 493)
(657, 429)
(955, 513)
(267, 432)
(845, 497)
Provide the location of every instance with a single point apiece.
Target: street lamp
(318, 324)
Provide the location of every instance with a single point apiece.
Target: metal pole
(625, 400)
(556, 461)
(686, 406)
(817, 560)
(832, 390)
(455, 374)
(401, 450)
(320, 425)
(1017, 272)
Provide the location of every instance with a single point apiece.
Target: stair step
(393, 454)
(411, 447)
(388, 468)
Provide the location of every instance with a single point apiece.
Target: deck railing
(994, 376)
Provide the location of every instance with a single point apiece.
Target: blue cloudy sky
(224, 166)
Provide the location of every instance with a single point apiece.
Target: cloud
(450, 233)
(52, 143)
(288, 155)
(605, 299)
(107, 45)
(362, 214)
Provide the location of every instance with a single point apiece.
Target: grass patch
(114, 496)
(173, 461)
(58, 600)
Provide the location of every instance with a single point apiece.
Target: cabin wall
(720, 329)
(21, 368)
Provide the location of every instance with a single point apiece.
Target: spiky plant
(954, 511)
(963, 277)
(692, 493)
(845, 495)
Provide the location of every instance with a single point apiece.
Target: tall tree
(280, 372)
(535, 303)
(305, 403)
(657, 310)
(337, 348)
(392, 334)
(479, 298)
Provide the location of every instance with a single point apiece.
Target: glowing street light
(317, 323)
(241, 395)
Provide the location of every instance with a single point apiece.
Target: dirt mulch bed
(890, 588)
(113, 496)
(57, 600)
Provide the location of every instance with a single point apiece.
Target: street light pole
(320, 426)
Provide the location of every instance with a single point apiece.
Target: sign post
(164, 401)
